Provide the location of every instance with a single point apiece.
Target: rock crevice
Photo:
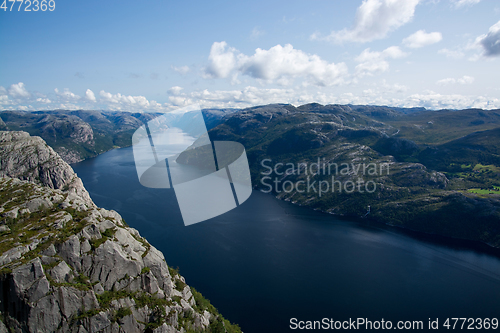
(68, 266)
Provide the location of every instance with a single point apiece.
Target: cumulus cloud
(234, 98)
(463, 3)
(17, 90)
(374, 20)
(421, 39)
(434, 100)
(463, 80)
(43, 100)
(180, 101)
(118, 98)
(279, 64)
(17, 97)
(89, 95)
(175, 90)
(183, 70)
(66, 95)
(376, 62)
(491, 41)
(221, 61)
(454, 54)
(283, 64)
(382, 93)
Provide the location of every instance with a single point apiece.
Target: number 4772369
(28, 5)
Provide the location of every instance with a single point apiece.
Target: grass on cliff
(219, 324)
(107, 234)
(494, 190)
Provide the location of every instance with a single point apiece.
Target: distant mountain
(78, 135)
(464, 153)
(444, 166)
(437, 127)
(417, 147)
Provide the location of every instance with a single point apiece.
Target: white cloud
(463, 3)
(374, 20)
(381, 93)
(89, 95)
(43, 100)
(21, 99)
(183, 70)
(279, 64)
(392, 88)
(17, 90)
(248, 96)
(434, 100)
(180, 101)
(66, 95)
(375, 62)
(4, 100)
(422, 38)
(490, 42)
(463, 80)
(454, 54)
(118, 98)
(251, 96)
(221, 61)
(175, 90)
(283, 64)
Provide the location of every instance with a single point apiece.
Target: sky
(160, 55)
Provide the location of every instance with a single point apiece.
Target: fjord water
(268, 261)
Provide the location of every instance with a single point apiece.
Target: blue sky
(158, 55)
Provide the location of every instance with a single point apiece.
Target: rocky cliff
(352, 161)
(30, 158)
(69, 266)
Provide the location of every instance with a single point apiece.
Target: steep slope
(77, 135)
(81, 134)
(438, 127)
(346, 148)
(479, 147)
(69, 266)
(30, 158)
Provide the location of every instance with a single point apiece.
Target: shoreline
(421, 235)
(436, 237)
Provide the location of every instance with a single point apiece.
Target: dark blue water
(268, 261)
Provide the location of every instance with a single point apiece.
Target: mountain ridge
(414, 195)
(81, 134)
(428, 178)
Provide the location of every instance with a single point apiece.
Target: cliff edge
(69, 266)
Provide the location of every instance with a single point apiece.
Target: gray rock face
(80, 131)
(3, 328)
(72, 133)
(30, 158)
(68, 285)
(69, 266)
